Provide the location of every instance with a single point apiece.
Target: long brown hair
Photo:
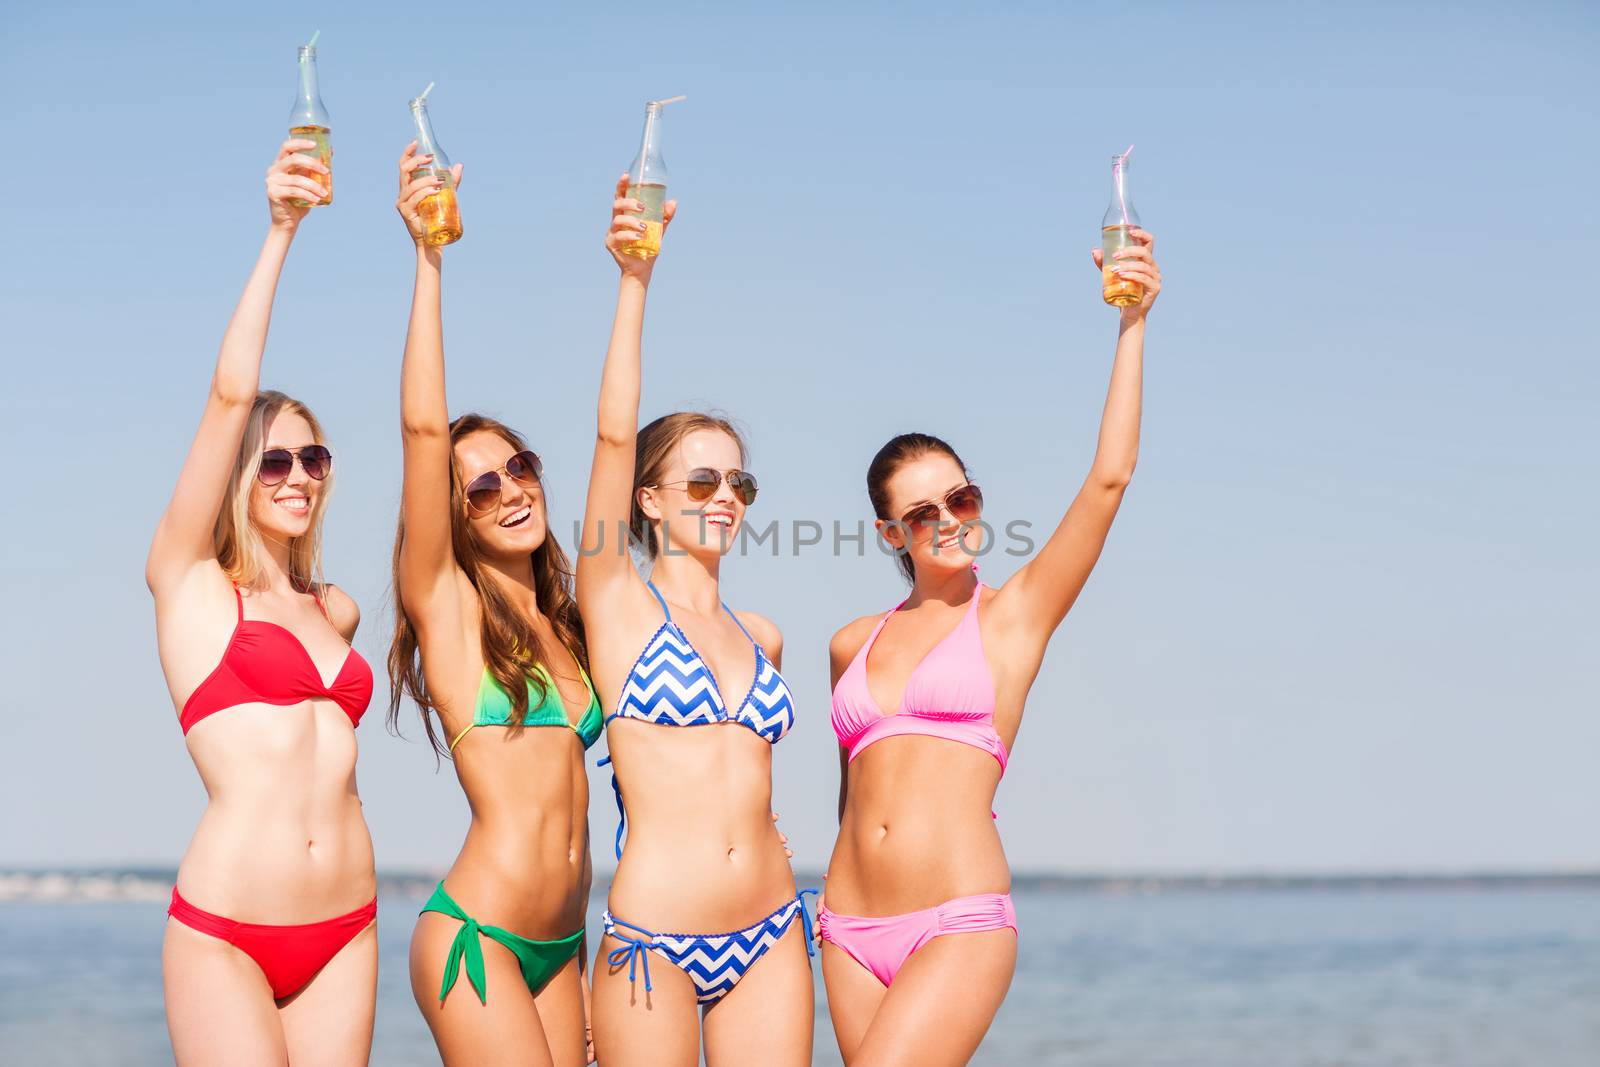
(235, 538)
(900, 450)
(653, 451)
(510, 646)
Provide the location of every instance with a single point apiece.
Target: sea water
(1188, 978)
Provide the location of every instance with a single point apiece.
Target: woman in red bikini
(270, 955)
(926, 704)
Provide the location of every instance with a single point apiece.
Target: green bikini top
(493, 708)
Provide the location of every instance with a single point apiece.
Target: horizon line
(1078, 874)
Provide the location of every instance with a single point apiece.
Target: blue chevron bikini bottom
(714, 962)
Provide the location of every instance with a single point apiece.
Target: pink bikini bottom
(883, 943)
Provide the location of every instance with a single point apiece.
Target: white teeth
(516, 516)
(293, 503)
(719, 520)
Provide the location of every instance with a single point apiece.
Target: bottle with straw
(647, 182)
(1120, 218)
(440, 213)
(309, 119)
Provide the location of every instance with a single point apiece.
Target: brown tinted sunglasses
(702, 482)
(964, 503)
(483, 492)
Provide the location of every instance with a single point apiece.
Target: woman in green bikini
(488, 638)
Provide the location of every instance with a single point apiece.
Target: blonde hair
(239, 545)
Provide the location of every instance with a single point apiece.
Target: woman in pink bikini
(926, 703)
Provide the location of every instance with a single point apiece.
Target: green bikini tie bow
(465, 946)
(537, 960)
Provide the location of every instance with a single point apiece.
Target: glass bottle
(309, 120)
(440, 213)
(647, 181)
(1120, 218)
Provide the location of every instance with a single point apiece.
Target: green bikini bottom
(539, 960)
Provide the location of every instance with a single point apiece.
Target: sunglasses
(483, 492)
(278, 463)
(702, 482)
(964, 502)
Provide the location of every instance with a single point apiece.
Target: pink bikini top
(949, 695)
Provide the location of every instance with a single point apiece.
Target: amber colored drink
(324, 152)
(1117, 291)
(654, 198)
(441, 216)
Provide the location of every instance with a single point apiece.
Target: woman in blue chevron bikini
(705, 934)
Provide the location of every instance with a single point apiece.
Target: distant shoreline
(90, 884)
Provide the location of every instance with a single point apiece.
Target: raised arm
(1039, 595)
(603, 562)
(183, 536)
(427, 560)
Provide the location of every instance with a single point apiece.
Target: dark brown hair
(510, 646)
(900, 450)
(652, 451)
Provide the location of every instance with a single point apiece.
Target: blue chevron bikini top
(670, 685)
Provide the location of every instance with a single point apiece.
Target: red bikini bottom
(289, 956)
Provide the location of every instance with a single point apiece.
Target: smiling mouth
(299, 505)
(721, 520)
(517, 518)
(950, 542)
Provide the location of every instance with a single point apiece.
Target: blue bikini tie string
(622, 814)
(805, 918)
(636, 950)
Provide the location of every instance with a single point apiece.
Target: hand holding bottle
(308, 120)
(290, 194)
(415, 188)
(627, 228)
(1134, 262)
(439, 209)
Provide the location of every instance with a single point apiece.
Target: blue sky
(1345, 619)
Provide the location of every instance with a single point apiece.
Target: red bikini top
(266, 664)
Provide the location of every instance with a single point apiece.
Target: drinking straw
(1122, 199)
(424, 94)
(313, 42)
(669, 100)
